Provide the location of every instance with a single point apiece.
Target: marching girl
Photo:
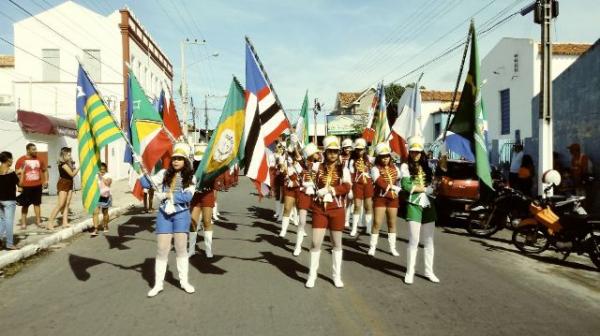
(332, 182)
(416, 180)
(345, 156)
(273, 161)
(362, 185)
(292, 169)
(386, 202)
(307, 190)
(175, 190)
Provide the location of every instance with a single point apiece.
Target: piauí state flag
(96, 128)
(148, 138)
(470, 119)
(225, 147)
(302, 123)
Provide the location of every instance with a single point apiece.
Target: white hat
(310, 150)
(360, 143)
(181, 149)
(416, 143)
(383, 148)
(331, 142)
(347, 143)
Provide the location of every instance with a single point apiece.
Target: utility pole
(206, 118)
(316, 109)
(184, 89)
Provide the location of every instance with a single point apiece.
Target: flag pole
(262, 69)
(133, 153)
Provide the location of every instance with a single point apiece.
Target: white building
(435, 106)
(46, 63)
(512, 71)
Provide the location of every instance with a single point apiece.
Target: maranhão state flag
(264, 121)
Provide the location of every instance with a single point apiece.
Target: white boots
(285, 222)
(182, 269)
(278, 209)
(369, 222)
(392, 241)
(411, 259)
(337, 268)
(215, 212)
(428, 251)
(373, 244)
(193, 237)
(349, 214)
(314, 266)
(208, 238)
(160, 268)
(355, 220)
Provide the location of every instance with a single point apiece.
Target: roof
(445, 96)
(7, 61)
(567, 48)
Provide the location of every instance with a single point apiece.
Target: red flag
(171, 120)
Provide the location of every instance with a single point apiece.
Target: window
(505, 111)
(92, 63)
(516, 63)
(437, 129)
(50, 65)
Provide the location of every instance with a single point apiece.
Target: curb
(44, 243)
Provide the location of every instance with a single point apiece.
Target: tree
(393, 92)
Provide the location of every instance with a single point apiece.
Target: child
(105, 201)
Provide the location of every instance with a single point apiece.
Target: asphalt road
(254, 286)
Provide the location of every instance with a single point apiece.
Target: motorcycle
(561, 223)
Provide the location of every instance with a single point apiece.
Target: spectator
(64, 186)
(33, 175)
(515, 165)
(148, 194)
(581, 169)
(105, 201)
(526, 175)
(8, 196)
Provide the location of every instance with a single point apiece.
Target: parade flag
(96, 128)
(381, 125)
(171, 120)
(408, 123)
(369, 133)
(265, 121)
(148, 138)
(302, 123)
(470, 119)
(225, 147)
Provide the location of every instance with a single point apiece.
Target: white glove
(328, 198)
(293, 138)
(308, 184)
(290, 184)
(396, 189)
(169, 207)
(160, 196)
(310, 190)
(322, 192)
(429, 190)
(424, 201)
(350, 195)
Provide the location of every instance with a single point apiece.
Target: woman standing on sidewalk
(420, 214)
(64, 186)
(386, 200)
(176, 187)
(8, 196)
(105, 201)
(362, 185)
(333, 183)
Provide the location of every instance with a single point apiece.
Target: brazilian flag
(226, 146)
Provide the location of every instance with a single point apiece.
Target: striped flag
(302, 123)
(408, 122)
(264, 121)
(96, 128)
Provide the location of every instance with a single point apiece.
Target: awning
(33, 122)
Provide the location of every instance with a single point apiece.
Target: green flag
(302, 123)
(226, 146)
(470, 119)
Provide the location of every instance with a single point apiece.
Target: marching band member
(278, 178)
(362, 185)
(333, 182)
(307, 190)
(176, 187)
(292, 170)
(386, 202)
(345, 156)
(416, 180)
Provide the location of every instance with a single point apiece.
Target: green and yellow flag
(302, 123)
(96, 128)
(226, 146)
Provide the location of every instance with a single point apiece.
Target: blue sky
(325, 46)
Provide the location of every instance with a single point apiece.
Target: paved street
(254, 286)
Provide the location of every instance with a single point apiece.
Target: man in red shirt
(33, 174)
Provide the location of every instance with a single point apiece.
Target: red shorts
(204, 199)
(362, 191)
(384, 202)
(332, 219)
(303, 201)
(291, 192)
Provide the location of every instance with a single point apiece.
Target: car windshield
(461, 170)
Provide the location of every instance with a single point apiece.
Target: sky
(325, 46)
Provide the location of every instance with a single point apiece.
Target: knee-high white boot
(208, 237)
(348, 215)
(295, 216)
(160, 268)
(355, 220)
(369, 222)
(280, 217)
(428, 256)
(285, 222)
(278, 209)
(337, 268)
(314, 266)
(298, 247)
(215, 212)
(193, 237)
(373, 244)
(182, 269)
(411, 258)
(392, 241)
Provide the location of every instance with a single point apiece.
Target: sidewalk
(34, 238)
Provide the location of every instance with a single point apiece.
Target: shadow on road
(466, 234)
(368, 261)
(205, 265)
(262, 213)
(274, 240)
(274, 229)
(117, 242)
(135, 225)
(288, 266)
